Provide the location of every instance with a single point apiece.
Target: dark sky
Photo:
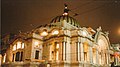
(25, 15)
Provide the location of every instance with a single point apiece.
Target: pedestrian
(112, 64)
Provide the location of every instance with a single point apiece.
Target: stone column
(90, 54)
(78, 51)
(82, 52)
(97, 57)
(64, 51)
(50, 56)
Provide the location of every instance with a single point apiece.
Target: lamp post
(119, 31)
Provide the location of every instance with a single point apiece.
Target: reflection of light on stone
(0, 59)
(85, 47)
(65, 14)
(102, 47)
(55, 32)
(41, 37)
(14, 47)
(44, 33)
(101, 43)
(57, 46)
(100, 60)
(57, 55)
(18, 45)
(4, 57)
(84, 33)
(23, 45)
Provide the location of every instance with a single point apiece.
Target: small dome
(68, 19)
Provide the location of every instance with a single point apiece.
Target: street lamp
(119, 31)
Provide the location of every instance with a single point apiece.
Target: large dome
(68, 19)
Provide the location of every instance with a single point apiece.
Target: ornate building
(61, 43)
(116, 54)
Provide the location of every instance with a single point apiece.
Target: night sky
(25, 15)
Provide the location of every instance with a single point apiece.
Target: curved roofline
(68, 19)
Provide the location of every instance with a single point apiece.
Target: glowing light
(55, 32)
(4, 57)
(65, 13)
(116, 54)
(36, 43)
(57, 46)
(23, 45)
(44, 33)
(18, 45)
(57, 55)
(101, 43)
(14, 47)
(119, 31)
(85, 47)
(84, 33)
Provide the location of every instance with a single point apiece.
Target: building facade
(61, 43)
(116, 54)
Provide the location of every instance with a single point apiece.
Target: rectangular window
(18, 45)
(21, 57)
(17, 56)
(37, 54)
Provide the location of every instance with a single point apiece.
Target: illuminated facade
(62, 43)
(116, 54)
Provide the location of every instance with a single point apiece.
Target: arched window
(17, 56)
(103, 50)
(18, 51)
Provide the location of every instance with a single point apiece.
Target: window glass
(37, 54)
(17, 56)
(18, 45)
(21, 58)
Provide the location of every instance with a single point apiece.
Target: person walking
(112, 64)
